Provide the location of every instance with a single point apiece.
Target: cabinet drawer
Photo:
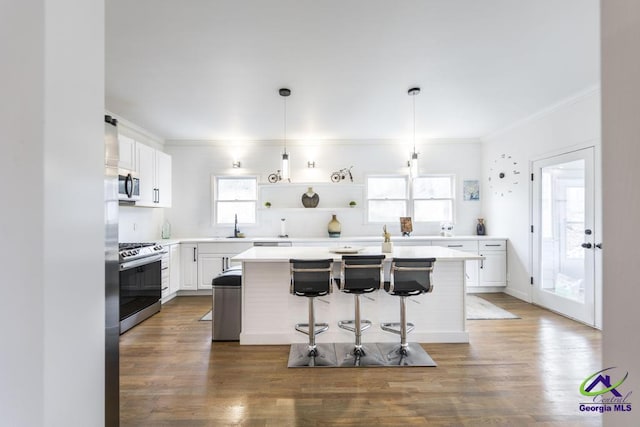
(223, 248)
(459, 245)
(493, 245)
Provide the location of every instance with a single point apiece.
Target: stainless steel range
(140, 282)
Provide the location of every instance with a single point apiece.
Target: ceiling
(211, 69)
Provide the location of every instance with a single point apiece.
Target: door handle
(586, 245)
(598, 245)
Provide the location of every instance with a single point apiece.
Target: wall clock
(504, 174)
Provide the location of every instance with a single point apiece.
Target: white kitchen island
(269, 311)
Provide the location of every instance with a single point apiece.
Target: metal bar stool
(311, 279)
(359, 274)
(409, 277)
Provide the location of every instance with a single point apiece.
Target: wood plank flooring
(517, 372)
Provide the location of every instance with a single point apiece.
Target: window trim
(215, 200)
(413, 199)
(406, 199)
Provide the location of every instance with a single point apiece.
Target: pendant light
(284, 93)
(413, 162)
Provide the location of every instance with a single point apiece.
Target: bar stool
(409, 277)
(359, 274)
(311, 279)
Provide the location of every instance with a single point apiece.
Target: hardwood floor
(516, 372)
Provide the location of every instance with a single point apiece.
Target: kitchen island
(269, 311)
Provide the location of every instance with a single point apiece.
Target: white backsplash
(140, 224)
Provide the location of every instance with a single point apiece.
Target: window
(433, 198)
(235, 196)
(386, 198)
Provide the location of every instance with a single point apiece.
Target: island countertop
(270, 311)
(274, 254)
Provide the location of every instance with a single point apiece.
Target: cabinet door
(174, 268)
(493, 269)
(189, 266)
(163, 180)
(471, 273)
(127, 148)
(209, 266)
(145, 160)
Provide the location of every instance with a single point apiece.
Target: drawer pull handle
(493, 245)
(454, 246)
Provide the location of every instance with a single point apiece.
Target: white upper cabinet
(163, 179)
(154, 171)
(127, 153)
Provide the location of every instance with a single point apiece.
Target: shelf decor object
(413, 162)
(334, 227)
(406, 225)
(387, 245)
(480, 230)
(310, 199)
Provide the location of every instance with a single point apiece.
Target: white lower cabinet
(189, 266)
(470, 267)
(493, 269)
(209, 266)
(165, 273)
(214, 258)
(174, 268)
(486, 273)
(201, 262)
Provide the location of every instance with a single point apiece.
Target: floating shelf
(308, 209)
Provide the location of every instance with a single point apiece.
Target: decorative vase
(310, 199)
(334, 227)
(387, 247)
(480, 230)
(166, 230)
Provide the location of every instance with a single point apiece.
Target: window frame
(215, 200)
(452, 199)
(406, 199)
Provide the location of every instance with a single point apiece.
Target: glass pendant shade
(285, 166)
(413, 165)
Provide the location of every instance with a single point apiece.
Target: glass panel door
(563, 219)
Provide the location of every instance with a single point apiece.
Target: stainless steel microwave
(128, 186)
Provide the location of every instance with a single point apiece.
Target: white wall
(621, 198)
(575, 122)
(52, 157)
(194, 163)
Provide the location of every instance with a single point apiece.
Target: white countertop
(331, 241)
(271, 254)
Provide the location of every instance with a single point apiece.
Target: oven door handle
(138, 262)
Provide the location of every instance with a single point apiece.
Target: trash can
(226, 319)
